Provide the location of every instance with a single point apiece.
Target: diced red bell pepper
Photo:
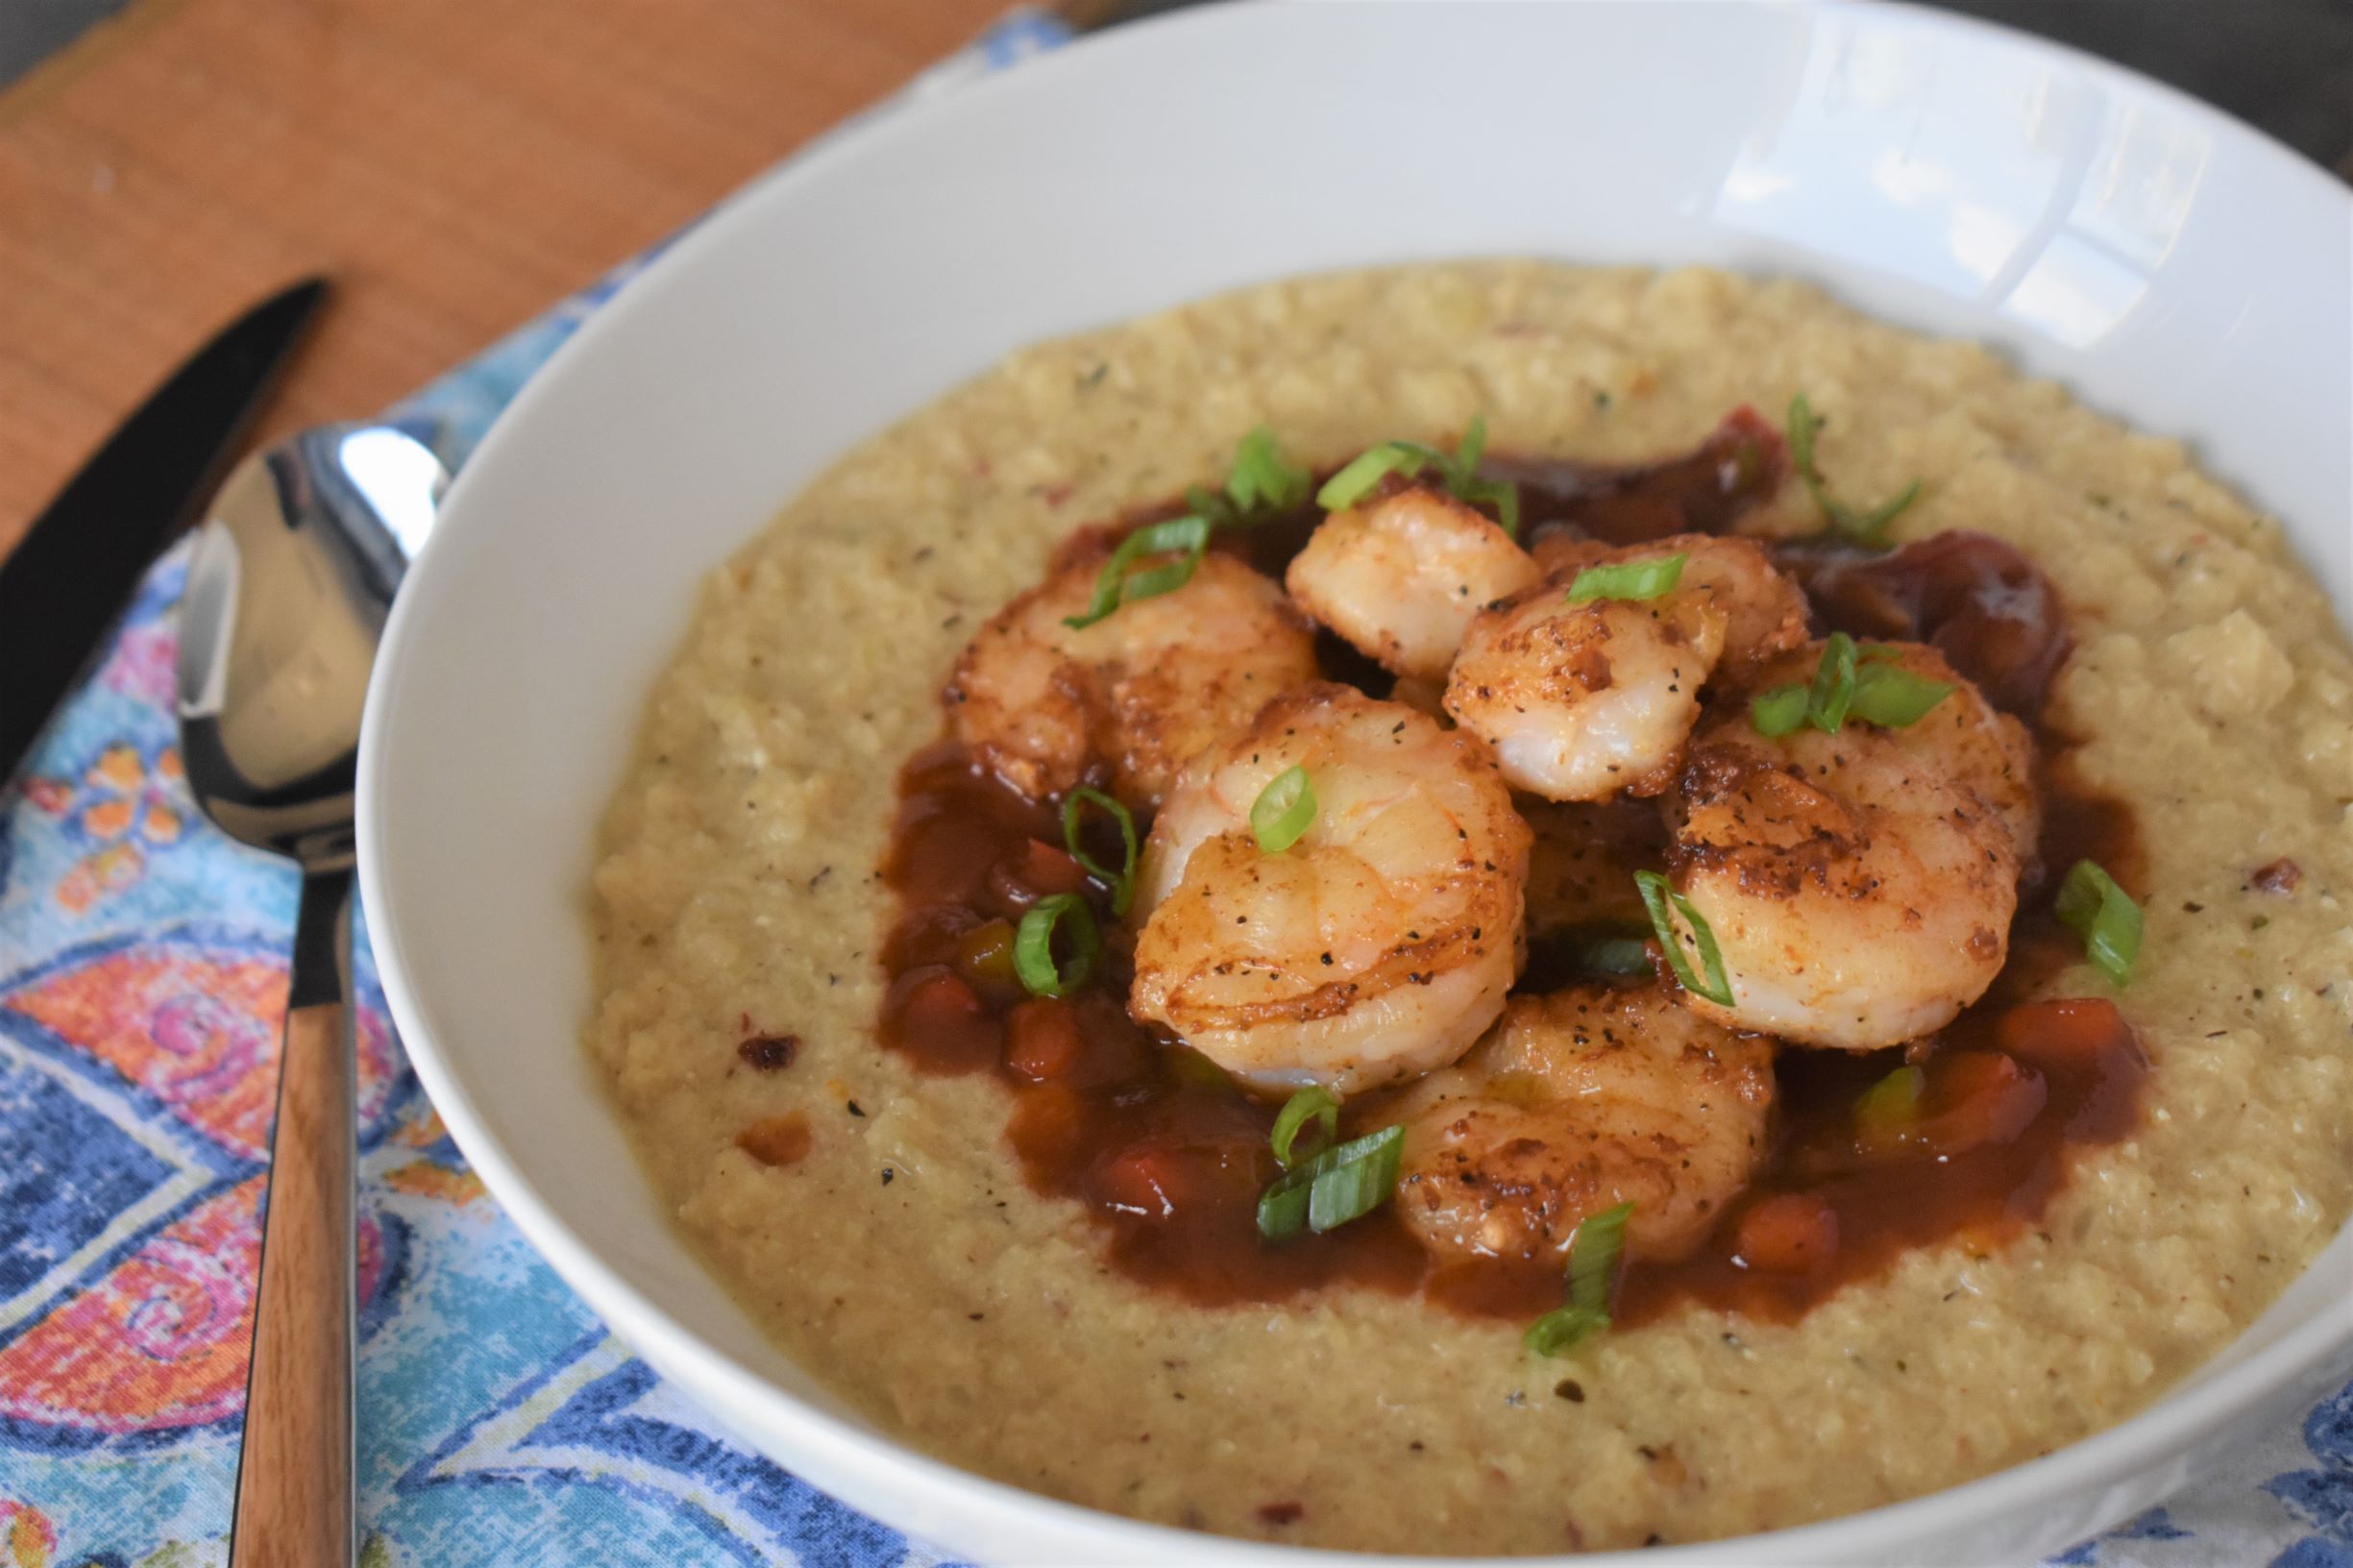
(1042, 1039)
(2067, 1034)
(1031, 870)
(936, 1015)
(1147, 1181)
(1789, 1233)
(1975, 1099)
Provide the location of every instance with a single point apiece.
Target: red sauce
(1979, 600)
(1738, 467)
(1170, 1157)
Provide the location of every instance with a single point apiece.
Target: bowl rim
(2199, 1403)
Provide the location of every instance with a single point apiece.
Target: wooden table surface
(456, 165)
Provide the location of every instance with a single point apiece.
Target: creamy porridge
(917, 1225)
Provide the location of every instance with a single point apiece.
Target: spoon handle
(294, 1505)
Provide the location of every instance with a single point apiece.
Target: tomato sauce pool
(1169, 1156)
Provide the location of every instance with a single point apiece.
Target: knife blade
(67, 583)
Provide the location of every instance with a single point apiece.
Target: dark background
(2283, 65)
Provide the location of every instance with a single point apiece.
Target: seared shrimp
(1858, 885)
(1577, 1102)
(1378, 945)
(1145, 688)
(1401, 577)
(1584, 701)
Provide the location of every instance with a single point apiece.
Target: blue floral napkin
(142, 960)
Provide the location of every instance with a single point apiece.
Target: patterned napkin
(142, 984)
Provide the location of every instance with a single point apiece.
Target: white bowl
(2169, 264)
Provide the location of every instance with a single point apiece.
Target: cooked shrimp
(1577, 1102)
(1858, 885)
(1401, 577)
(1584, 701)
(1378, 945)
(1145, 688)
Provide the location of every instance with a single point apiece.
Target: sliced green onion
(1594, 1252)
(1778, 712)
(1310, 1104)
(1594, 1256)
(1893, 1100)
(1472, 447)
(1122, 882)
(1868, 526)
(1849, 682)
(1658, 893)
(2105, 916)
(1212, 506)
(1033, 946)
(1562, 1329)
(1340, 1185)
(1367, 469)
(1121, 581)
(1263, 480)
(1459, 472)
(1833, 692)
(1501, 493)
(1614, 955)
(1804, 422)
(1892, 695)
(1631, 580)
(1283, 810)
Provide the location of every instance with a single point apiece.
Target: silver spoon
(293, 572)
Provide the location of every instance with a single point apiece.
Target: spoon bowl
(293, 574)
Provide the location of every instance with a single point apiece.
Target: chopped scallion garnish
(1033, 946)
(1779, 712)
(2105, 916)
(1833, 692)
(1631, 580)
(1594, 1256)
(1463, 480)
(1357, 477)
(1314, 1104)
(1340, 1185)
(1614, 955)
(1472, 447)
(1872, 525)
(1283, 811)
(1892, 695)
(1893, 1100)
(1122, 882)
(1864, 683)
(1562, 1329)
(1658, 893)
(1122, 581)
(1263, 480)
(1459, 472)
(1212, 506)
(1501, 493)
(1868, 526)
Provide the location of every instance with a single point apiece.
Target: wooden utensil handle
(294, 1478)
